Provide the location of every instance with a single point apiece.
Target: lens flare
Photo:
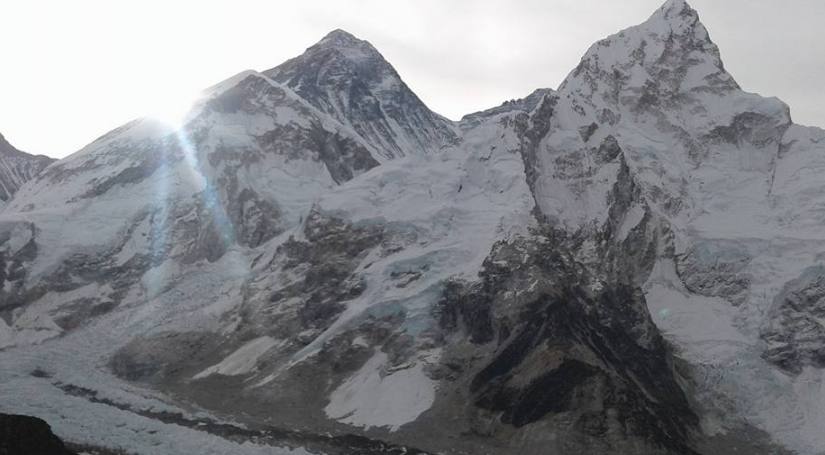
(174, 109)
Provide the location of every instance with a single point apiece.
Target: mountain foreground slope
(315, 262)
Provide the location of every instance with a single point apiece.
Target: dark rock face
(531, 129)
(553, 392)
(350, 80)
(25, 435)
(327, 258)
(16, 168)
(561, 346)
(255, 218)
(716, 269)
(525, 105)
(608, 150)
(154, 358)
(458, 308)
(12, 264)
(751, 128)
(795, 335)
(343, 157)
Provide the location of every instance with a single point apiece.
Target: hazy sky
(72, 70)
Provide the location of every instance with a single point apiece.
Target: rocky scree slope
(628, 264)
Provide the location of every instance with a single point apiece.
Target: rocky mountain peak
(337, 61)
(677, 10)
(16, 168)
(668, 56)
(8, 150)
(342, 39)
(677, 18)
(5, 147)
(349, 79)
(344, 48)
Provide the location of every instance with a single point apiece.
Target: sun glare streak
(159, 227)
(211, 198)
(162, 221)
(177, 113)
(174, 109)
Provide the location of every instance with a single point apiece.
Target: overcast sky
(73, 70)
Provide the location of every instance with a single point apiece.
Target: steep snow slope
(315, 249)
(16, 168)
(250, 159)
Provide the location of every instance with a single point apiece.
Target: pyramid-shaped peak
(342, 40)
(339, 37)
(670, 52)
(676, 6)
(336, 54)
(350, 80)
(677, 16)
(340, 43)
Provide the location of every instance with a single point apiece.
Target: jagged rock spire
(671, 53)
(341, 38)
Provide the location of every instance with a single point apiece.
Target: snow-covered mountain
(316, 261)
(348, 79)
(16, 168)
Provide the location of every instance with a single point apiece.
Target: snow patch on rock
(243, 360)
(375, 397)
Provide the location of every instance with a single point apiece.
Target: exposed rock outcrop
(25, 435)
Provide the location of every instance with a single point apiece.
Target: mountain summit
(669, 54)
(349, 79)
(342, 38)
(315, 261)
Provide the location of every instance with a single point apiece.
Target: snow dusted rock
(650, 130)
(628, 264)
(147, 194)
(561, 347)
(795, 333)
(16, 168)
(348, 79)
(716, 269)
(526, 105)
